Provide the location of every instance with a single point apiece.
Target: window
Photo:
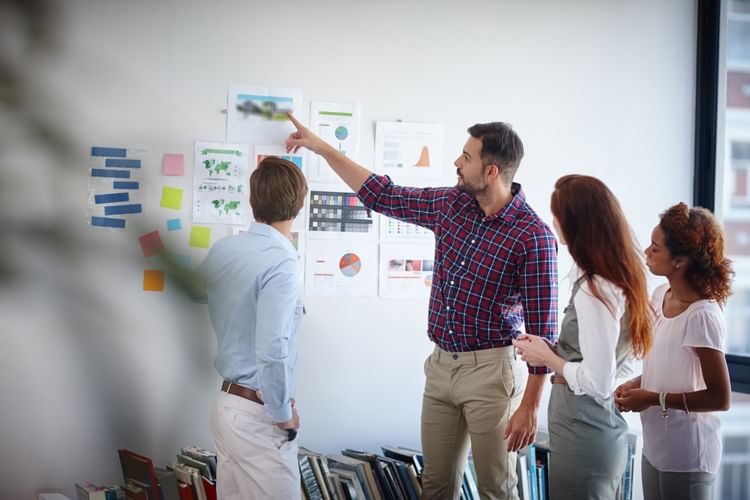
(733, 194)
(722, 184)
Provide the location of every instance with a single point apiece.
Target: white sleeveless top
(691, 442)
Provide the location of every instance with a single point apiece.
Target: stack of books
(191, 477)
(360, 475)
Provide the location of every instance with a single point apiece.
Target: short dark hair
(501, 146)
(277, 190)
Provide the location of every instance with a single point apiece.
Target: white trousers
(256, 460)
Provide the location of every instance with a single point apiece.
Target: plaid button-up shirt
(493, 277)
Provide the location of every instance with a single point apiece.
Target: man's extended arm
(352, 173)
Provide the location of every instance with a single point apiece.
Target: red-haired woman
(607, 320)
(685, 375)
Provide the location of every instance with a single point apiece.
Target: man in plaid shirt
(495, 276)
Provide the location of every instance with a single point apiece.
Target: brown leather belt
(240, 391)
(558, 379)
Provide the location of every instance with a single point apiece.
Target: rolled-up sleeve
(415, 205)
(538, 287)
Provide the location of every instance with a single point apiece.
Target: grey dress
(588, 439)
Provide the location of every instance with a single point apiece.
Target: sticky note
(174, 224)
(173, 164)
(200, 237)
(153, 280)
(151, 243)
(171, 197)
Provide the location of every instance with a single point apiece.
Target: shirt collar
(262, 229)
(512, 209)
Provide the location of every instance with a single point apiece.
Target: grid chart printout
(336, 213)
(114, 186)
(397, 230)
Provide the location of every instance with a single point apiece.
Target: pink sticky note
(151, 243)
(173, 164)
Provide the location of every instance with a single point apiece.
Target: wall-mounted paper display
(342, 268)
(257, 115)
(220, 183)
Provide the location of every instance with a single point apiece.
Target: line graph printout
(341, 268)
(220, 183)
(409, 150)
(339, 125)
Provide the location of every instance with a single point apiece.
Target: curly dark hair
(696, 234)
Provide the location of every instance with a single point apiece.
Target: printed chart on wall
(406, 270)
(341, 268)
(114, 186)
(338, 124)
(396, 230)
(404, 150)
(257, 115)
(220, 187)
(333, 213)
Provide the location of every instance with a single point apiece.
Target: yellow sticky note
(153, 280)
(171, 197)
(200, 237)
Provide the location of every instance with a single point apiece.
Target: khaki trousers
(468, 399)
(256, 459)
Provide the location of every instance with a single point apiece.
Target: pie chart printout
(350, 265)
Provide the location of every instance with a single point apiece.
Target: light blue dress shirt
(253, 283)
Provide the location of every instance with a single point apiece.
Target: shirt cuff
(538, 370)
(280, 414)
(570, 372)
(371, 189)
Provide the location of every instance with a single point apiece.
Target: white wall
(89, 363)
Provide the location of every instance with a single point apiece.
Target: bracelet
(684, 403)
(663, 407)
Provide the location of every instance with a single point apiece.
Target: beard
(469, 188)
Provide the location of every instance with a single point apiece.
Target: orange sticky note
(153, 280)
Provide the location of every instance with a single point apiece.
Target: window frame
(710, 30)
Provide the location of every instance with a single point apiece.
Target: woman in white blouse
(685, 375)
(607, 320)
